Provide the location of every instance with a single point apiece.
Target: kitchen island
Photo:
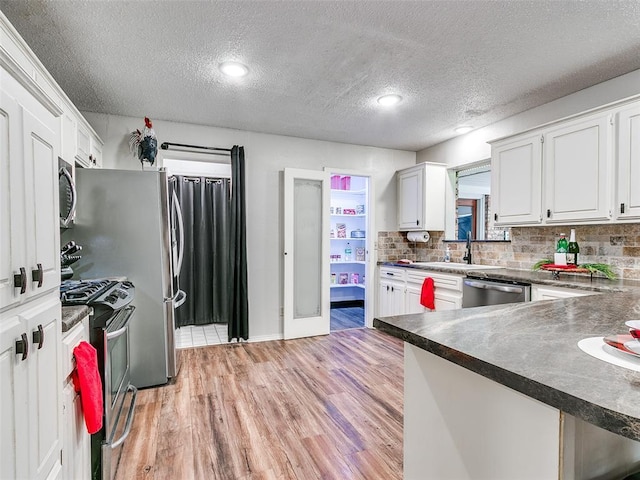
(563, 413)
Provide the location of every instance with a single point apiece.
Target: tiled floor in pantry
(201, 335)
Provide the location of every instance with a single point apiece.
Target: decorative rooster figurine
(144, 144)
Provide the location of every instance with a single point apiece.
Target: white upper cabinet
(95, 155)
(569, 177)
(421, 194)
(628, 154)
(516, 180)
(68, 129)
(28, 161)
(578, 159)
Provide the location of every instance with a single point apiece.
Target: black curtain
(205, 273)
(239, 320)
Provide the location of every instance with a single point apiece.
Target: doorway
(349, 259)
(197, 165)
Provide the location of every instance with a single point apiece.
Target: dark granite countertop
(532, 348)
(73, 315)
(566, 280)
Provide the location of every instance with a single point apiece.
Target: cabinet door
(447, 301)
(76, 457)
(13, 214)
(41, 172)
(96, 153)
(577, 176)
(410, 186)
(14, 406)
(83, 145)
(391, 299)
(45, 386)
(412, 299)
(628, 138)
(69, 136)
(516, 183)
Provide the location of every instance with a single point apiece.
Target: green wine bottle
(563, 245)
(572, 249)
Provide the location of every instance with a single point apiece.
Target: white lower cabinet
(76, 448)
(447, 291)
(30, 397)
(391, 287)
(401, 289)
(542, 292)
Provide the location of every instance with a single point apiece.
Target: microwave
(67, 193)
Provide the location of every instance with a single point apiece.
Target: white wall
(266, 156)
(473, 146)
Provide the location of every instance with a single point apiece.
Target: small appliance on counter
(67, 258)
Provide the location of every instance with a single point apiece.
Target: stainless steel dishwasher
(478, 292)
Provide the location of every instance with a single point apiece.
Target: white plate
(633, 345)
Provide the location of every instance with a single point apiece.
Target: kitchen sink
(456, 266)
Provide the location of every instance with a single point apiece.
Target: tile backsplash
(617, 245)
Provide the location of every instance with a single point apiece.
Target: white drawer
(392, 273)
(440, 280)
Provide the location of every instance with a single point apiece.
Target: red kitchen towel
(86, 380)
(427, 298)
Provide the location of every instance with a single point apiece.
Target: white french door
(306, 253)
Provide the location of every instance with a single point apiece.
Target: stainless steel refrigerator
(129, 224)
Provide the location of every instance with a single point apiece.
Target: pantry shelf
(348, 285)
(349, 192)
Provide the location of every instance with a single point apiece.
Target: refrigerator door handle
(176, 206)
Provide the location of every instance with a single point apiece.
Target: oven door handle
(122, 330)
(127, 426)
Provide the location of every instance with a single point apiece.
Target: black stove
(104, 295)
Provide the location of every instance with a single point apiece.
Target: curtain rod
(166, 145)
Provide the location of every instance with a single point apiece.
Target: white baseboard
(265, 338)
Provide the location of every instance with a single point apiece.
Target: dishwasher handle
(493, 286)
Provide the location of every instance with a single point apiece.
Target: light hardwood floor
(325, 407)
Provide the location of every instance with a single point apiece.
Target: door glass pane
(307, 248)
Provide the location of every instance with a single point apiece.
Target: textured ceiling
(316, 67)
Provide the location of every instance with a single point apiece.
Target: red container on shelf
(335, 182)
(345, 183)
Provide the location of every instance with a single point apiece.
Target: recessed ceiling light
(389, 100)
(463, 129)
(234, 69)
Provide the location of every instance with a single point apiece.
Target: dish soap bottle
(447, 255)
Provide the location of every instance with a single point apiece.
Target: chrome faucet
(467, 255)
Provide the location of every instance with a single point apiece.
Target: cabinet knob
(622, 208)
(22, 346)
(37, 275)
(417, 222)
(495, 217)
(20, 281)
(38, 336)
(548, 213)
